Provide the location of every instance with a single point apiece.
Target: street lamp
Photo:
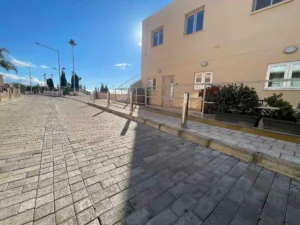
(44, 75)
(73, 44)
(57, 51)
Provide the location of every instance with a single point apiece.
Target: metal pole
(128, 94)
(203, 101)
(30, 79)
(121, 93)
(136, 95)
(131, 101)
(73, 67)
(145, 96)
(185, 108)
(94, 96)
(108, 99)
(59, 71)
(115, 95)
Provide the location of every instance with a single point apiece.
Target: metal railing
(130, 82)
(172, 95)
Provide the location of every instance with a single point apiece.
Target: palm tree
(4, 63)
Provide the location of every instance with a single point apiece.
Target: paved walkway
(63, 162)
(277, 148)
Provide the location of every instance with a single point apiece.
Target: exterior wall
(1, 82)
(238, 45)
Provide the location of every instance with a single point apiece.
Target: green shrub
(66, 91)
(210, 96)
(297, 116)
(241, 100)
(285, 112)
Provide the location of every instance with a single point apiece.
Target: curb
(282, 166)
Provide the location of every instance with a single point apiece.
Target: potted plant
(284, 119)
(210, 96)
(237, 104)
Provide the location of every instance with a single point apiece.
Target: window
(260, 4)
(194, 22)
(151, 83)
(279, 71)
(158, 37)
(201, 78)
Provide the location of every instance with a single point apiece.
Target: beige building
(194, 41)
(1, 82)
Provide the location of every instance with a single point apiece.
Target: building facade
(1, 82)
(195, 41)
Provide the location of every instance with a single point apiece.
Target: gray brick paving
(255, 143)
(60, 164)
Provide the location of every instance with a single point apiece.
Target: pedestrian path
(65, 162)
(287, 151)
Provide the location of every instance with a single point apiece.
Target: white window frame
(153, 36)
(199, 85)
(151, 87)
(255, 4)
(287, 75)
(194, 13)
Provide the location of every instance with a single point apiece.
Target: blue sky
(107, 33)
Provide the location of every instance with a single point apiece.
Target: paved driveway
(63, 162)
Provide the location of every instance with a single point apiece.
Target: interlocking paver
(59, 164)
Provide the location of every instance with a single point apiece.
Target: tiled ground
(63, 162)
(280, 149)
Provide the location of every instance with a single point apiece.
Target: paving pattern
(288, 151)
(63, 162)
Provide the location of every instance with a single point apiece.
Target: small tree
(76, 82)
(63, 80)
(106, 89)
(50, 83)
(102, 88)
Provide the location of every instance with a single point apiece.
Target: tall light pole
(58, 60)
(73, 44)
(30, 78)
(44, 75)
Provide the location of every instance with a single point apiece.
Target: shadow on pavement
(98, 114)
(125, 128)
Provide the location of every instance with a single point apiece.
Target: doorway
(167, 91)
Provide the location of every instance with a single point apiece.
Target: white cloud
(122, 66)
(44, 67)
(140, 43)
(8, 77)
(21, 63)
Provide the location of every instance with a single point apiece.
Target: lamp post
(58, 60)
(73, 44)
(44, 75)
(30, 79)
